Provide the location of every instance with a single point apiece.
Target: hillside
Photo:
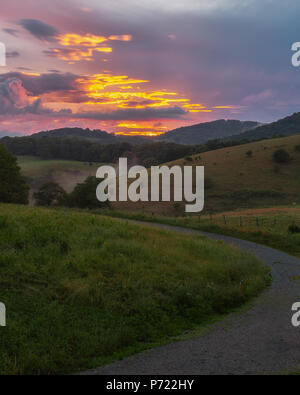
(82, 290)
(202, 132)
(236, 180)
(66, 173)
(97, 136)
(239, 181)
(283, 127)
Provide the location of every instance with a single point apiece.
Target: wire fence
(280, 222)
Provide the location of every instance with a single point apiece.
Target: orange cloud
(89, 40)
(100, 81)
(75, 54)
(124, 37)
(95, 88)
(140, 133)
(225, 107)
(30, 74)
(83, 47)
(137, 126)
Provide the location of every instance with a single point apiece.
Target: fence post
(225, 222)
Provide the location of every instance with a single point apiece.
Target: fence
(279, 223)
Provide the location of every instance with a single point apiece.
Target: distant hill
(77, 132)
(224, 130)
(282, 128)
(202, 132)
(98, 136)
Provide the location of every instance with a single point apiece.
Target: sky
(143, 67)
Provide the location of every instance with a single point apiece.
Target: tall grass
(81, 290)
(272, 226)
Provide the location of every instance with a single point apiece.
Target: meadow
(277, 227)
(82, 290)
(238, 177)
(64, 172)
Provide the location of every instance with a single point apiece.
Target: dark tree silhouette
(13, 188)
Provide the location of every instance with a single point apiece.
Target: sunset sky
(146, 66)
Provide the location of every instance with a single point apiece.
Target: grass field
(239, 181)
(66, 173)
(82, 290)
(269, 226)
(236, 181)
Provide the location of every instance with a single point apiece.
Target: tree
(281, 156)
(13, 188)
(84, 195)
(50, 194)
(249, 153)
(208, 183)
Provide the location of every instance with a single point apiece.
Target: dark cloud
(51, 82)
(134, 114)
(13, 96)
(12, 54)
(39, 29)
(16, 100)
(44, 83)
(12, 32)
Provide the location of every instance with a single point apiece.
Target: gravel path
(261, 340)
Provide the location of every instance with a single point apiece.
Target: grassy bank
(269, 226)
(81, 290)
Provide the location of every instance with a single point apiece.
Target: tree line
(147, 155)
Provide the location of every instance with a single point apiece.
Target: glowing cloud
(75, 54)
(89, 40)
(124, 37)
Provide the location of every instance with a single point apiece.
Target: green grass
(267, 226)
(82, 290)
(64, 172)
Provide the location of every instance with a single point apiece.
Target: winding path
(260, 340)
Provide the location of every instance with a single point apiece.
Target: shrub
(297, 148)
(249, 153)
(189, 159)
(281, 156)
(50, 194)
(84, 195)
(208, 183)
(294, 229)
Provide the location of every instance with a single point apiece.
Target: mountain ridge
(202, 132)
